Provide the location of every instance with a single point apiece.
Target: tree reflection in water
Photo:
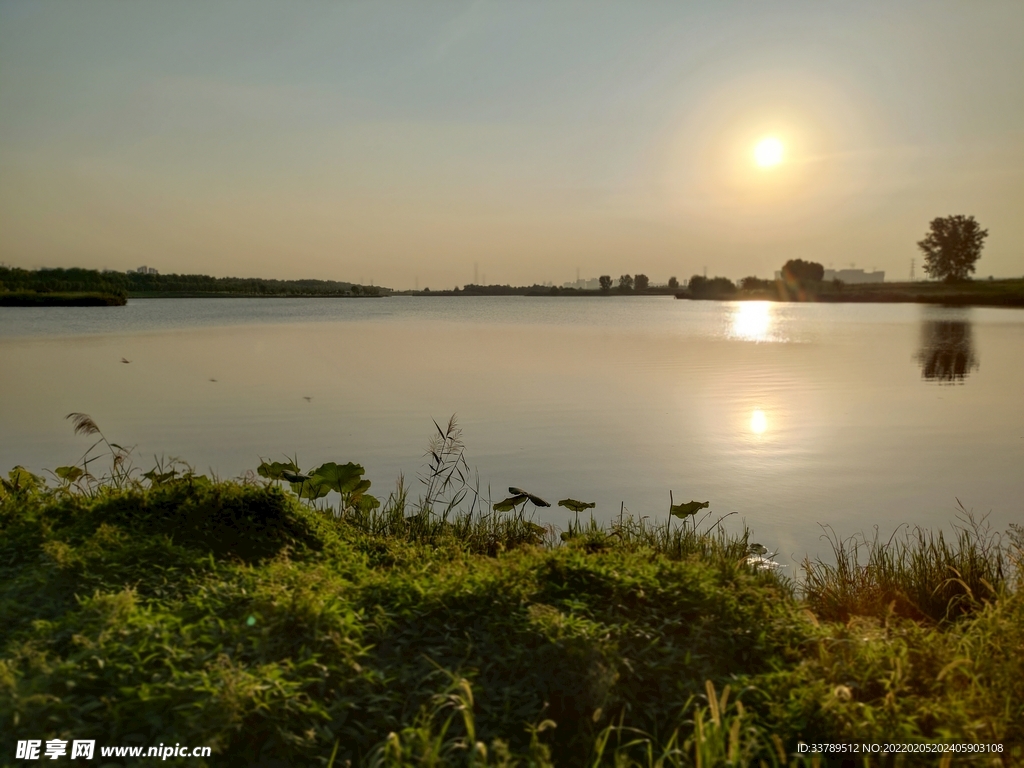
(947, 351)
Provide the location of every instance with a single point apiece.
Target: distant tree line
(122, 283)
(755, 283)
(473, 289)
(796, 273)
(951, 248)
(638, 283)
(62, 281)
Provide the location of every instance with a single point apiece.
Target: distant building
(584, 285)
(855, 275)
(848, 275)
(143, 270)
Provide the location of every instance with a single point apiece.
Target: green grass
(279, 632)
(919, 575)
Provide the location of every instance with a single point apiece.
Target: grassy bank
(980, 293)
(214, 295)
(70, 299)
(988, 293)
(169, 608)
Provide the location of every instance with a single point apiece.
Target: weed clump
(229, 520)
(245, 522)
(919, 575)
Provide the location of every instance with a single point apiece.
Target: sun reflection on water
(758, 422)
(752, 321)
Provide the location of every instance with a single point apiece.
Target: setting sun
(768, 152)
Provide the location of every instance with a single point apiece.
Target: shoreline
(1006, 294)
(1009, 302)
(229, 295)
(61, 299)
(978, 293)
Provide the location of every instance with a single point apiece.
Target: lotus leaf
(159, 478)
(686, 510)
(359, 488)
(574, 505)
(311, 488)
(342, 478)
(367, 503)
(275, 470)
(69, 474)
(20, 479)
(511, 502)
(537, 500)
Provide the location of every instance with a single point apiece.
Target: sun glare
(758, 422)
(768, 152)
(752, 321)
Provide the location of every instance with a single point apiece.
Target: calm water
(791, 416)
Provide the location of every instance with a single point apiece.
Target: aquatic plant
(121, 469)
(344, 479)
(21, 483)
(447, 473)
(518, 497)
(575, 506)
(688, 509)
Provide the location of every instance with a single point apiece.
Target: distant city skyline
(427, 144)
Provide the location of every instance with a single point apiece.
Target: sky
(433, 144)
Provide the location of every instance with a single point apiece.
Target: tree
(802, 272)
(951, 247)
(640, 283)
(606, 283)
(625, 283)
(673, 282)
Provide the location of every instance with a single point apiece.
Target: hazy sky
(405, 142)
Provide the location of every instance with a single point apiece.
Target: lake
(791, 416)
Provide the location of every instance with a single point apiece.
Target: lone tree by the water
(951, 247)
(626, 283)
(605, 282)
(641, 283)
